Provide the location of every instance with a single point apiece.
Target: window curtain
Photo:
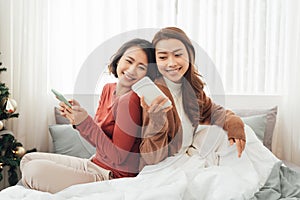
(288, 135)
(254, 46)
(242, 37)
(29, 44)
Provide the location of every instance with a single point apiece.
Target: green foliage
(8, 158)
(8, 143)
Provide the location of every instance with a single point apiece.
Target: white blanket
(213, 171)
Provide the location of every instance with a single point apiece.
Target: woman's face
(132, 66)
(172, 59)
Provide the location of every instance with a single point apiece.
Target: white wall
(252, 101)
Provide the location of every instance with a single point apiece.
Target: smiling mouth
(129, 76)
(174, 70)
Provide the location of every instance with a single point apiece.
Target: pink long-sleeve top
(115, 132)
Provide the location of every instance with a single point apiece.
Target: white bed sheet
(179, 177)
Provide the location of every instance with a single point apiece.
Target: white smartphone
(147, 88)
(60, 97)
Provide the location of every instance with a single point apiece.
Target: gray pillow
(258, 124)
(68, 141)
(58, 118)
(270, 125)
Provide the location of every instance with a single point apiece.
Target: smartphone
(147, 88)
(60, 97)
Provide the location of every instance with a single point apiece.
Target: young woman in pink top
(114, 131)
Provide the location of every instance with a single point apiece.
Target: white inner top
(175, 89)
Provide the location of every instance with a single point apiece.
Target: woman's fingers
(144, 104)
(167, 108)
(243, 144)
(64, 107)
(240, 145)
(162, 103)
(74, 102)
(76, 114)
(70, 117)
(158, 105)
(61, 109)
(154, 108)
(158, 100)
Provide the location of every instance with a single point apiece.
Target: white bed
(181, 177)
(206, 174)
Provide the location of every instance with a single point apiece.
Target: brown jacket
(162, 135)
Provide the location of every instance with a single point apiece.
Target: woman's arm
(105, 93)
(154, 145)
(217, 115)
(126, 130)
(155, 139)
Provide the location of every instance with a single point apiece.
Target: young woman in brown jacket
(167, 132)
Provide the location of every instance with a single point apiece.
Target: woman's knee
(32, 172)
(35, 168)
(25, 159)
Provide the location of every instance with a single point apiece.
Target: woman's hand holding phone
(153, 100)
(61, 97)
(151, 94)
(76, 114)
(157, 111)
(157, 105)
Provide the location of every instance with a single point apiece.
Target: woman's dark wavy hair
(192, 86)
(146, 46)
